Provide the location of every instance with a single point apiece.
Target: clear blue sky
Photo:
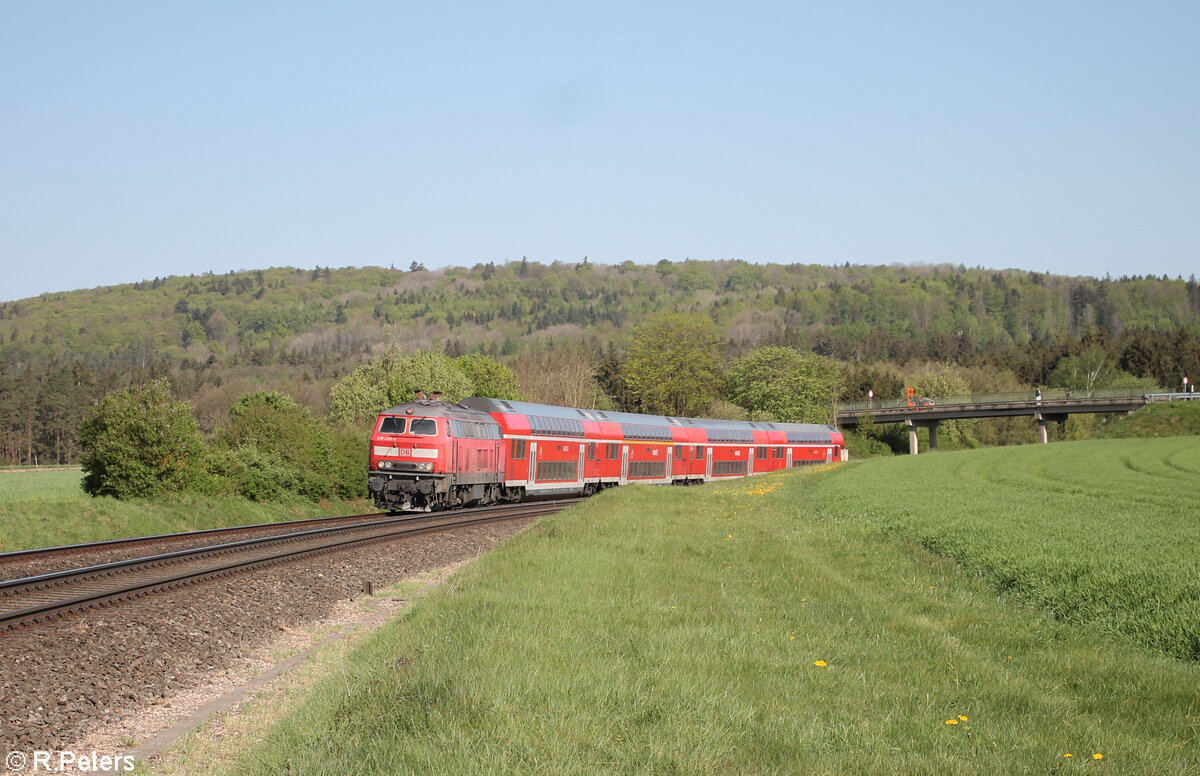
(158, 138)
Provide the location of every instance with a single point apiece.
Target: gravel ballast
(67, 677)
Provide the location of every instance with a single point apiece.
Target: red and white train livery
(437, 455)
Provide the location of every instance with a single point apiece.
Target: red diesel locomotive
(437, 455)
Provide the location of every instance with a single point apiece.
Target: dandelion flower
(820, 663)
(952, 722)
(1068, 754)
(1097, 756)
(962, 717)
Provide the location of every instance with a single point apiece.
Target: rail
(48, 596)
(204, 533)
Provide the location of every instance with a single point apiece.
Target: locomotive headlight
(427, 467)
(385, 464)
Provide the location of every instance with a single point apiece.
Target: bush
(261, 476)
(345, 461)
(865, 447)
(139, 443)
(274, 448)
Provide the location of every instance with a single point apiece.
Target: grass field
(1175, 418)
(45, 508)
(798, 624)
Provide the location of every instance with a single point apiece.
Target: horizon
(894, 265)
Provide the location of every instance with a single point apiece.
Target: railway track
(19, 558)
(35, 599)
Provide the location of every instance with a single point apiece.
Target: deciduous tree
(393, 378)
(786, 385)
(673, 366)
(489, 377)
(139, 443)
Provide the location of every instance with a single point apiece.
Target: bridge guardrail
(1048, 394)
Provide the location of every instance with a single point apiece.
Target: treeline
(565, 329)
(319, 319)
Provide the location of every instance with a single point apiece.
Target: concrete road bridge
(1042, 406)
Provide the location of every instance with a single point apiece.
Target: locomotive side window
(423, 426)
(392, 425)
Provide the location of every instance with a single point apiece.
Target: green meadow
(47, 508)
(1008, 611)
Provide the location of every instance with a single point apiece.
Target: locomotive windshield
(392, 425)
(423, 427)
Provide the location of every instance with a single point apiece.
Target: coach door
(789, 457)
(532, 461)
(624, 464)
(828, 455)
(582, 450)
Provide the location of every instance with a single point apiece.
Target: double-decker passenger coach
(433, 455)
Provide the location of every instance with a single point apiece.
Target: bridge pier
(1043, 419)
(913, 425)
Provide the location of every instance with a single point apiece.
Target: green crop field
(800, 623)
(1104, 532)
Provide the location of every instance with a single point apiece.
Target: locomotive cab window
(392, 425)
(423, 427)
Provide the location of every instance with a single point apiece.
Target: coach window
(591, 451)
(699, 452)
(424, 427)
(518, 449)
